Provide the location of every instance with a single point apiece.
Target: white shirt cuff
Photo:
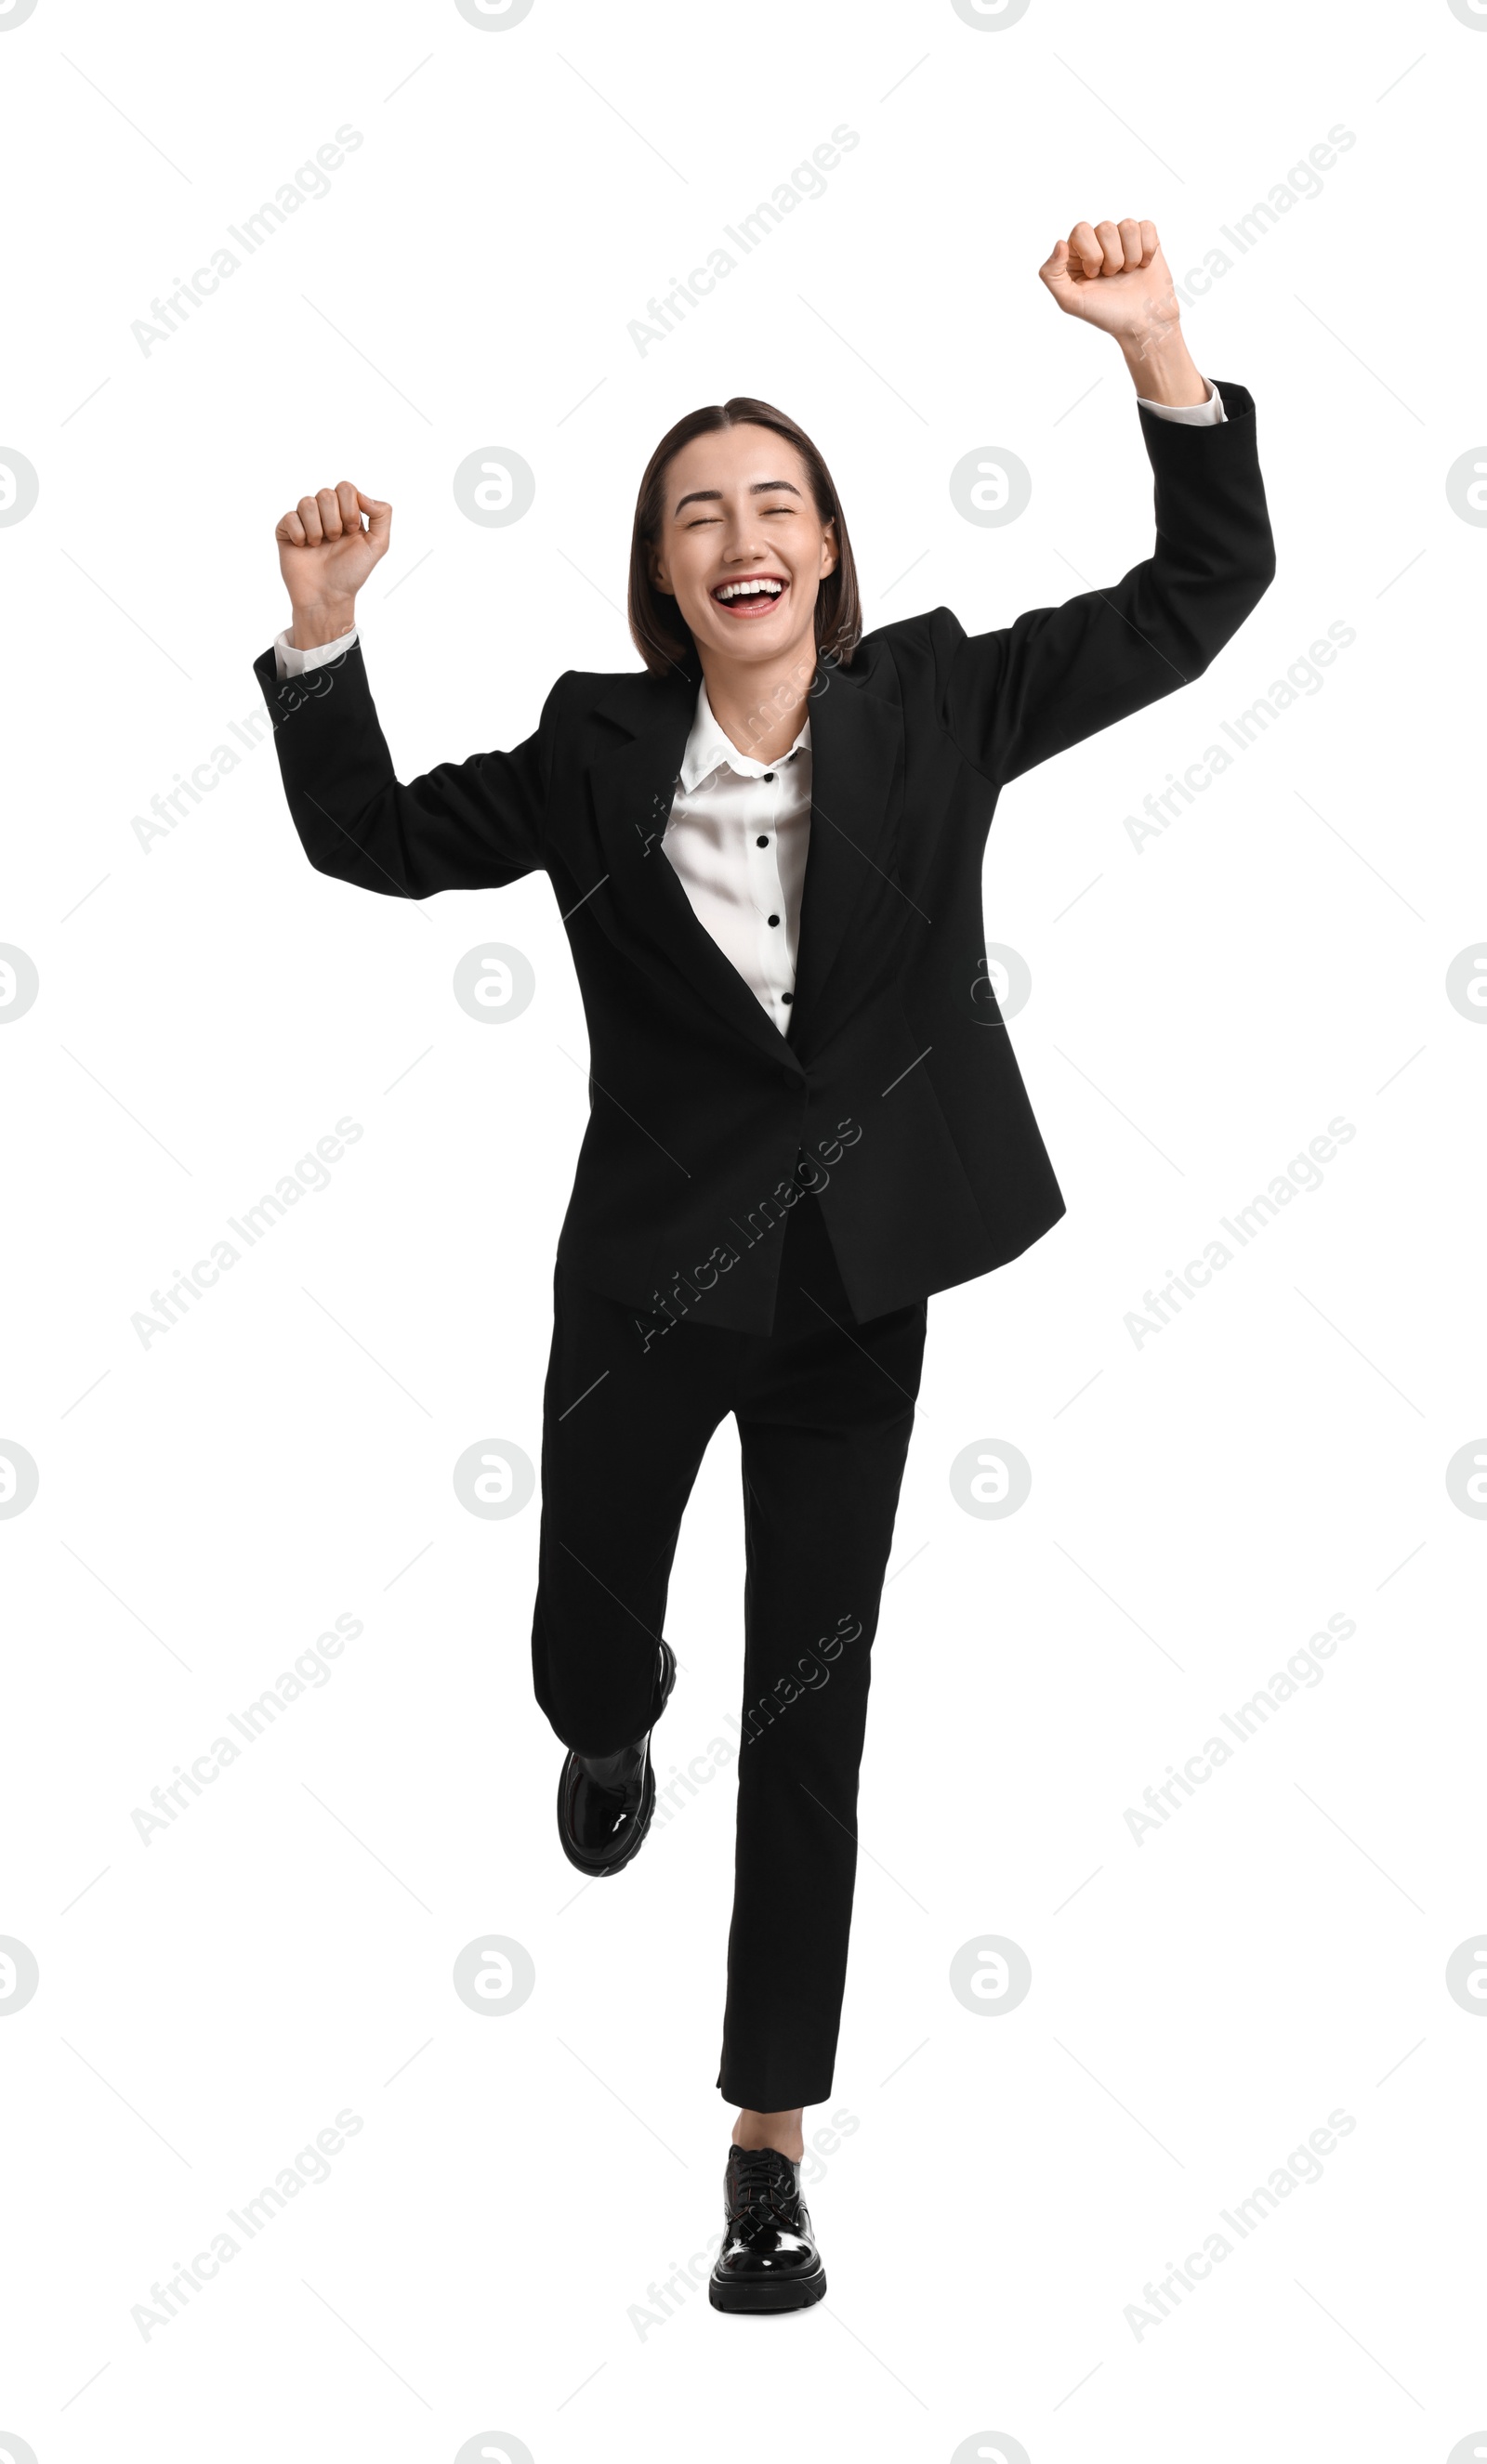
(290, 662)
(1190, 414)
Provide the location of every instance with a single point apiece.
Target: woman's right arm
(471, 824)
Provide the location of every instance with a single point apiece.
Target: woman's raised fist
(326, 551)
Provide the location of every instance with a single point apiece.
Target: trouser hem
(768, 2098)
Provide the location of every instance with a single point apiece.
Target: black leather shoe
(606, 1801)
(768, 2259)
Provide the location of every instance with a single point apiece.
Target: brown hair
(658, 629)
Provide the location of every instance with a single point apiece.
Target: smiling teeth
(749, 589)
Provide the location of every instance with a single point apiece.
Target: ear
(830, 554)
(658, 574)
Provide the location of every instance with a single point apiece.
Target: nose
(742, 539)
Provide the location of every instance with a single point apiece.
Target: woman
(767, 849)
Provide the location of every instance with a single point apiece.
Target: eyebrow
(714, 495)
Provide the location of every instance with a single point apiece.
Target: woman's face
(739, 511)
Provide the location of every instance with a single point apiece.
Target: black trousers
(824, 1408)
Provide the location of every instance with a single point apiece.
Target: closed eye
(699, 520)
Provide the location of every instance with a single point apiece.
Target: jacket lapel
(856, 742)
(633, 785)
(857, 750)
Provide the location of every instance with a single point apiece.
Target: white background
(481, 2257)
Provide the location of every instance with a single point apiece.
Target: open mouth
(750, 596)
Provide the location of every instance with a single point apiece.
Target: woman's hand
(325, 555)
(1114, 277)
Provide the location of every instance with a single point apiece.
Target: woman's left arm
(1012, 699)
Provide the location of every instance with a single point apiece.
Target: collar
(708, 748)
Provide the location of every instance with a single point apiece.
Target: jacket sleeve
(469, 825)
(1009, 699)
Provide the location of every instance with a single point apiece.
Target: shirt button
(786, 997)
(774, 919)
(761, 842)
(768, 777)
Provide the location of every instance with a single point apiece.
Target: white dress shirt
(740, 830)
(736, 839)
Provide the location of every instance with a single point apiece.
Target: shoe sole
(757, 2298)
(643, 1821)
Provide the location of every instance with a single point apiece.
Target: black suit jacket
(896, 1094)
